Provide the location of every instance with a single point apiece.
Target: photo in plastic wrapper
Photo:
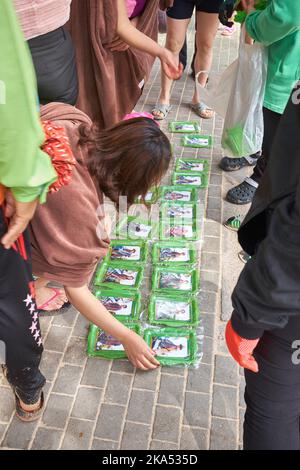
(134, 228)
(101, 344)
(177, 193)
(192, 165)
(184, 127)
(124, 306)
(173, 279)
(127, 251)
(177, 310)
(119, 274)
(174, 253)
(198, 180)
(197, 141)
(178, 210)
(179, 230)
(151, 197)
(173, 346)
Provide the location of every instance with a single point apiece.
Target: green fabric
(23, 166)
(278, 28)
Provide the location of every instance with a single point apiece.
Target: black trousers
(271, 121)
(20, 333)
(272, 419)
(55, 65)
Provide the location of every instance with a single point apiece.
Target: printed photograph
(124, 252)
(184, 196)
(121, 276)
(185, 212)
(106, 342)
(118, 305)
(179, 231)
(174, 254)
(190, 166)
(170, 346)
(139, 230)
(170, 280)
(190, 180)
(172, 310)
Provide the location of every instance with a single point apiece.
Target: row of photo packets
(172, 307)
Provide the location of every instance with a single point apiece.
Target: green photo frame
(124, 306)
(173, 311)
(120, 275)
(134, 228)
(172, 253)
(127, 251)
(168, 279)
(180, 230)
(184, 127)
(171, 211)
(197, 141)
(189, 179)
(173, 346)
(192, 165)
(105, 346)
(178, 193)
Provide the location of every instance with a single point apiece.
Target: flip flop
(164, 109)
(200, 108)
(57, 293)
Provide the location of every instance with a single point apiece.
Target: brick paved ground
(95, 404)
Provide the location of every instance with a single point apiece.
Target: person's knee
(204, 48)
(174, 44)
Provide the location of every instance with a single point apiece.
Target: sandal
(234, 164)
(243, 193)
(228, 30)
(201, 110)
(233, 223)
(57, 292)
(26, 416)
(163, 109)
(244, 257)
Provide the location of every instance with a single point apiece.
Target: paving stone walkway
(97, 404)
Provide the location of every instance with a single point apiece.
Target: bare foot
(44, 294)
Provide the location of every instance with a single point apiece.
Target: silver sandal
(163, 109)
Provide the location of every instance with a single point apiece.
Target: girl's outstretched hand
(139, 353)
(170, 64)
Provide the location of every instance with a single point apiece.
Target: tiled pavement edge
(95, 404)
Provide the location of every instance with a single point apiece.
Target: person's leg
(271, 425)
(54, 298)
(55, 65)
(207, 27)
(19, 324)
(271, 122)
(244, 192)
(183, 54)
(178, 18)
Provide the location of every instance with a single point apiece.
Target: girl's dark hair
(128, 158)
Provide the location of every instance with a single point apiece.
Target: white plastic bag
(238, 97)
